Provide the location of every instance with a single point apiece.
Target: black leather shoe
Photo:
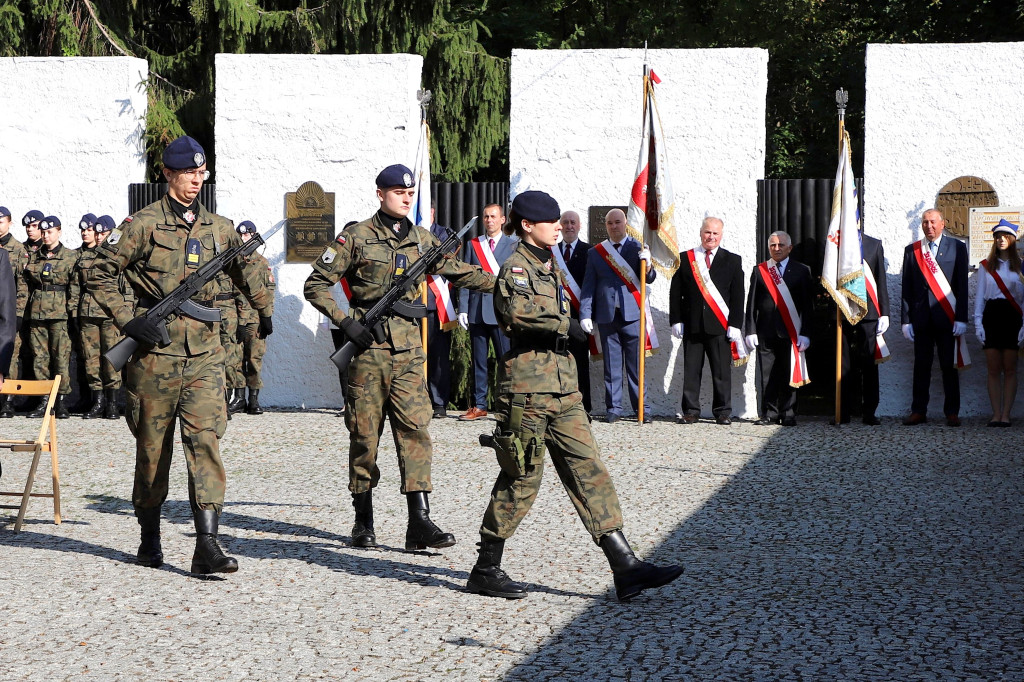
(237, 404)
(440, 412)
(253, 406)
(764, 421)
(110, 412)
(363, 534)
(487, 576)
(150, 554)
(208, 556)
(60, 411)
(38, 411)
(633, 576)
(724, 421)
(688, 419)
(871, 420)
(6, 407)
(788, 421)
(99, 402)
(423, 532)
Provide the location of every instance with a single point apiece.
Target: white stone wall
(282, 120)
(934, 113)
(71, 137)
(575, 132)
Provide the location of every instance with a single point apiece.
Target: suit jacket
(603, 291)
(479, 306)
(762, 316)
(8, 312)
(441, 233)
(874, 256)
(919, 304)
(686, 304)
(577, 265)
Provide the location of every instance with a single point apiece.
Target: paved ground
(891, 553)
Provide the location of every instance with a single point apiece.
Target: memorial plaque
(982, 220)
(957, 198)
(597, 232)
(310, 214)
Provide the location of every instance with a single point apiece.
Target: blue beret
(537, 207)
(87, 221)
(49, 222)
(104, 224)
(184, 153)
(4, 213)
(1004, 225)
(246, 227)
(396, 175)
(32, 216)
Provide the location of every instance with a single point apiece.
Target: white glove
(588, 325)
(677, 330)
(908, 332)
(464, 320)
(802, 343)
(1020, 337)
(645, 254)
(959, 328)
(883, 324)
(734, 334)
(751, 341)
(979, 331)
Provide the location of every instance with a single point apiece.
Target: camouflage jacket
(88, 306)
(18, 256)
(156, 251)
(246, 314)
(368, 255)
(228, 297)
(53, 291)
(533, 310)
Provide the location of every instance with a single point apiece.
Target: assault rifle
(391, 303)
(180, 300)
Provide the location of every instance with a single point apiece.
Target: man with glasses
(183, 381)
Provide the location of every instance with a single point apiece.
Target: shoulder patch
(129, 219)
(329, 255)
(522, 280)
(517, 270)
(341, 239)
(115, 235)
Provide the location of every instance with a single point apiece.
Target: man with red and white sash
(778, 321)
(441, 319)
(571, 256)
(706, 312)
(611, 302)
(934, 314)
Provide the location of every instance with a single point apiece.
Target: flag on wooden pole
(843, 271)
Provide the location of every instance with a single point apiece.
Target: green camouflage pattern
(18, 256)
(99, 335)
(52, 269)
(51, 351)
(227, 301)
(253, 348)
(264, 274)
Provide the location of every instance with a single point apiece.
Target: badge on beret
(407, 179)
(329, 254)
(115, 236)
(199, 159)
(341, 239)
(84, 225)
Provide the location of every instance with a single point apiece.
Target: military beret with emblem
(184, 153)
(245, 227)
(395, 175)
(87, 221)
(32, 216)
(49, 222)
(4, 212)
(536, 207)
(104, 224)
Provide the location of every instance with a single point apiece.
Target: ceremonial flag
(421, 171)
(843, 271)
(650, 216)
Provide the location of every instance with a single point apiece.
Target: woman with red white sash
(997, 318)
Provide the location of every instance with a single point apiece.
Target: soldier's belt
(223, 297)
(550, 342)
(53, 287)
(197, 310)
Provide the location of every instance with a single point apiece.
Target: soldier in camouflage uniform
(96, 326)
(388, 375)
(227, 300)
(53, 300)
(156, 249)
(540, 408)
(253, 347)
(18, 257)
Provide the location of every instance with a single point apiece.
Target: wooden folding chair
(45, 442)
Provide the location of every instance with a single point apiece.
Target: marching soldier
(540, 409)
(388, 375)
(18, 257)
(53, 301)
(253, 347)
(156, 249)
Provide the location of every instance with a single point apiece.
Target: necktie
(565, 251)
(932, 247)
(707, 259)
(618, 246)
(491, 243)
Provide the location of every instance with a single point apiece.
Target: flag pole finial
(424, 97)
(842, 98)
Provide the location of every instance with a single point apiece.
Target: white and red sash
(713, 297)
(622, 270)
(572, 287)
(881, 350)
(1002, 287)
(779, 292)
(943, 293)
(484, 255)
(442, 290)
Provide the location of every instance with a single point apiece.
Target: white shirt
(989, 290)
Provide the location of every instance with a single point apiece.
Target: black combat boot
(632, 576)
(98, 404)
(362, 531)
(6, 407)
(110, 411)
(254, 402)
(423, 532)
(38, 410)
(237, 404)
(487, 576)
(59, 409)
(150, 554)
(209, 557)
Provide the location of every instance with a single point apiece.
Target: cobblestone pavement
(814, 552)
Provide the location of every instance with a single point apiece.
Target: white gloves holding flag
(802, 343)
(677, 330)
(908, 332)
(751, 341)
(645, 255)
(734, 334)
(588, 325)
(464, 320)
(959, 328)
(883, 324)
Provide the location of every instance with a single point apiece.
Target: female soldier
(540, 408)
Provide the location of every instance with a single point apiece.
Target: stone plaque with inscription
(982, 220)
(310, 214)
(597, 232)
(959, 196)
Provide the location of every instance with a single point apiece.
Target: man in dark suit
(768, 332)
(574, 254)
(607, 301)
(926, 322)
(439, 341)
(698, 325)
(476, 309)
(860, 341)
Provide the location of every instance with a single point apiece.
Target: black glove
(576, 332)
(360, 335)
(143, 331)
(19, 321)
(266, 327)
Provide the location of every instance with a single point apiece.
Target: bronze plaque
(958, 197)
(597, 232)
(310, 214)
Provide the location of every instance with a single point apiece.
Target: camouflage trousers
(561, 421)
(380, 380)
(163, 389)
(16, 357)
(253, 350)
(51, 351)
(98, 336)
(232, 348)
